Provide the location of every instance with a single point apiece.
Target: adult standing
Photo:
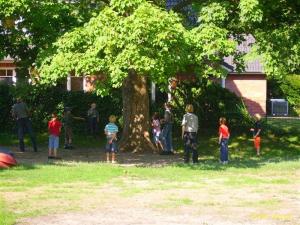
(93, 119)
(189, 134)
(167, 130)
(21, 113)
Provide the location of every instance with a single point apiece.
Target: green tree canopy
(275, 24)
(136, 36)
(131, 42)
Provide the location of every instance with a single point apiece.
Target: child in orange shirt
(256, 133)
(223, 140)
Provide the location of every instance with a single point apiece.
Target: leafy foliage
(37, 24)
(275, 24)
(54, 99)
(288, 88)
(148, 40)
(210, 102)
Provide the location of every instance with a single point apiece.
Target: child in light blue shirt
(111, 130)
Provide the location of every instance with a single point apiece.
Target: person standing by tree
(111, 130)
(54, 128)
(189, 134)
(256, 133)
(93, 119)
(167, 130)
(156, 131)
(223, 140)
(21, 113)
(68, 120)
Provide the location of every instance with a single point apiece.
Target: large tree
(128, 44)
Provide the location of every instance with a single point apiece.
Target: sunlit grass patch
(6, 216)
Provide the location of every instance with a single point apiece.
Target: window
(6, 73)
(9, 73)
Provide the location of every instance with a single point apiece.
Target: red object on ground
(7, 160)
(3, 165)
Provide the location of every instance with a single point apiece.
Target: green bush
(211, 102)
(287, 88)
(6, 101)
(42, 101)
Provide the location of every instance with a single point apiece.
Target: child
(111, 131)
(156, 131)
(223, 140)
(256, 133)
(54, 128)
(68, 125)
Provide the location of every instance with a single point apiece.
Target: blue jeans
(190, 146)
(224, 150)
(24, 125)
(167, 137)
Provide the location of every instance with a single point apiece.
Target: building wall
(7, 71)
(252, 88)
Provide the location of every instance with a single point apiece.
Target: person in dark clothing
(21, 114)
(167, 130)
(93, 119)
(68, 120)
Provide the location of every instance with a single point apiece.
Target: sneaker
(66, 147)
(50, 157)
(114, 161)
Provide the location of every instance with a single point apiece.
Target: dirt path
(98, 155)
(155, 207)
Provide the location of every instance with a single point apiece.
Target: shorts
(53, 142)
(257, 142)
(157, 137)
(111, 146)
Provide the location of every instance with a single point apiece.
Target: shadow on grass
(241, 154)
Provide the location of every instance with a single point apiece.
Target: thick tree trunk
(135, 137)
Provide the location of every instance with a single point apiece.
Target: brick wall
(252, 88)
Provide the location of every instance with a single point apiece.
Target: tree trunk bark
(135, 137)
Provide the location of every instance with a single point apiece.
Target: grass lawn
(248, 189)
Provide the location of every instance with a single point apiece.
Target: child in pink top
(156, 131)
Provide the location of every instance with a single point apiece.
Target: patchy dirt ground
(98, 155)
(188, 204)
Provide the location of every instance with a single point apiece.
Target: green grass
(68, 183)
(37, 189)
(6, 217)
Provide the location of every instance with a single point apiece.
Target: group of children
(55, 126)
(224, 135)
(189, 133)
